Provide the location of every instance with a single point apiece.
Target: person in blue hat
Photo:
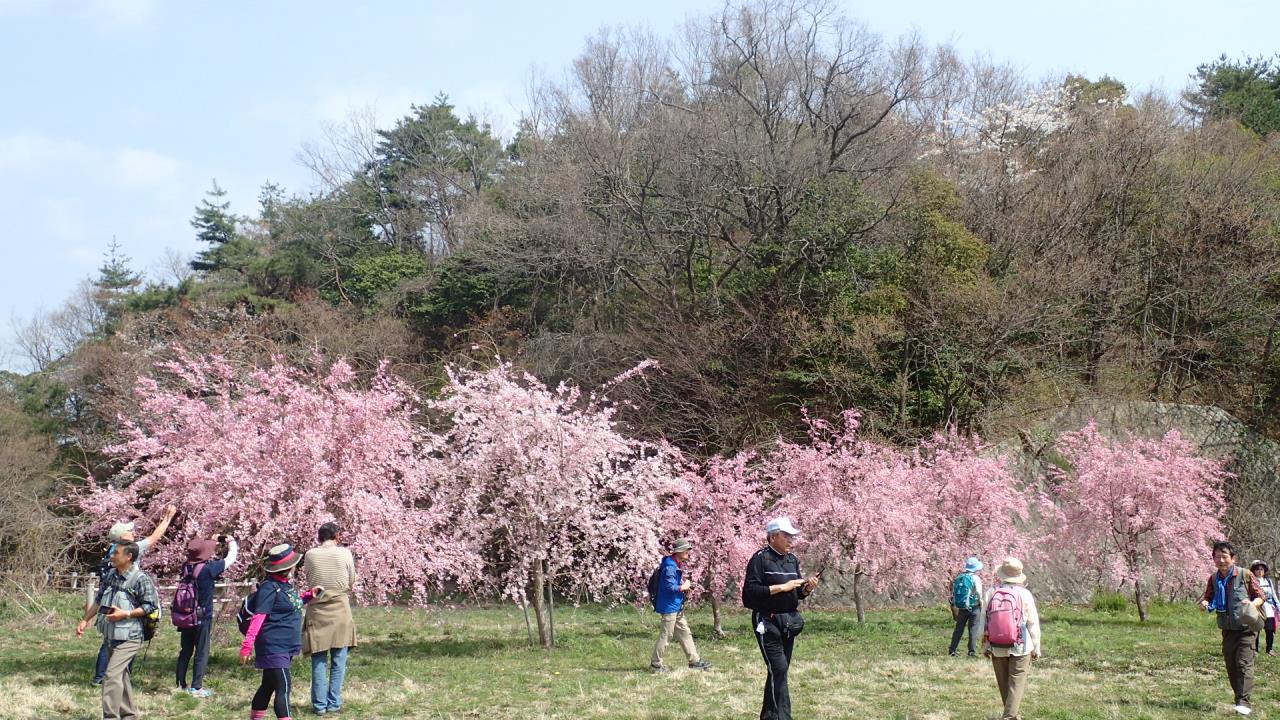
(966, 605)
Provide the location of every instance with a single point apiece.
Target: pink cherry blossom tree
(974, 504)
(547, 490)
(859, 503)
(269, 455)
(723, 512)
(1135, 507)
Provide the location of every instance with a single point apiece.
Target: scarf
(1219, 603)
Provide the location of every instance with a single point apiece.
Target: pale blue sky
(115, 115)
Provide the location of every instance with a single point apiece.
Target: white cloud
(119, 14)
(145, 168)
(335, 106)
(27, 155)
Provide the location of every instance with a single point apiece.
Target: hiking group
(1002, 622)
(126, 611)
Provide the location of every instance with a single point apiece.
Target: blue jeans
(328, 669)
(100, 670)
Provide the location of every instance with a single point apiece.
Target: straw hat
(1010, 571)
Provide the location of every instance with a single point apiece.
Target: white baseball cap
(782, 524)
(118, 530)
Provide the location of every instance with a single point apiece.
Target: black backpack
(654, 579)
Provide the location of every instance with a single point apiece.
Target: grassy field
(475, 663)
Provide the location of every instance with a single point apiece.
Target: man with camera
(773, 589)
(126, 596)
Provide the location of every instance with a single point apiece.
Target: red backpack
(1004, 618)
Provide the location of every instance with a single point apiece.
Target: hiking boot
(700, 665)
(659, 668)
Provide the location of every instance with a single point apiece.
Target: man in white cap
(122, 533)
(773, 589)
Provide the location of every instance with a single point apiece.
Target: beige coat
(328, 623)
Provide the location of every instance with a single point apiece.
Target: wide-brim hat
(973, 564)
(118, 530)
(201, 549)
(282, 557)
(682, 544)
(781, 524)
(1010, 571)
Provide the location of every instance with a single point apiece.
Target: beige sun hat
(1010, 571)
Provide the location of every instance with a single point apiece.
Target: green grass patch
(476, 663)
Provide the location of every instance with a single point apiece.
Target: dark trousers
(1238, 653)
(278, 682)
(194, 642)
(1271, 635)
(776, 651)
(965, 619)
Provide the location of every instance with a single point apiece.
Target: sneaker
(700, 665)
(952, 654)
(97, 682)
(200, 692)
(1243, 710)
(659, 668)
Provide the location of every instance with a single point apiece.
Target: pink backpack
(1004, 618)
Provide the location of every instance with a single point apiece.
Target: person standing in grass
(274, 635)
(1227, 593)
(669, 605)
(123, 533)
(329, 630)
(126, 596)
(966, 605)
(773, 588)
(194, 641)
(1262, 571)
(1011, 634)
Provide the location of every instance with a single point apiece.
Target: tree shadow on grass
(444, 647)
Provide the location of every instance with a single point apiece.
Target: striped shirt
(330, 566)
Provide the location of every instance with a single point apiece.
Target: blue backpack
(963, 593)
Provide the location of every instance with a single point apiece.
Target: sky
(117, 115)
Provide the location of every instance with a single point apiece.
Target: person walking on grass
(274, 635)
(1270, 609)
(1234, 596)
(669, 605)
(1011, 634)
(126, 596)
(966, 605)
(123, 532)
(773, 588)
(328, 629)
(199, 573)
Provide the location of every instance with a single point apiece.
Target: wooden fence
(87, 583)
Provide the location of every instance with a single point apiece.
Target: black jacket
(769, 567)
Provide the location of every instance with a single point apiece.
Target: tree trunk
(857, 596)
(537, 592)
(1141, 599)
(716, 603)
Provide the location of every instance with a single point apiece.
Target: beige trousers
(117, 686)
(674, 624)
(1011, 676)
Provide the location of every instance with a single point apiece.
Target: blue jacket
(670, 599)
